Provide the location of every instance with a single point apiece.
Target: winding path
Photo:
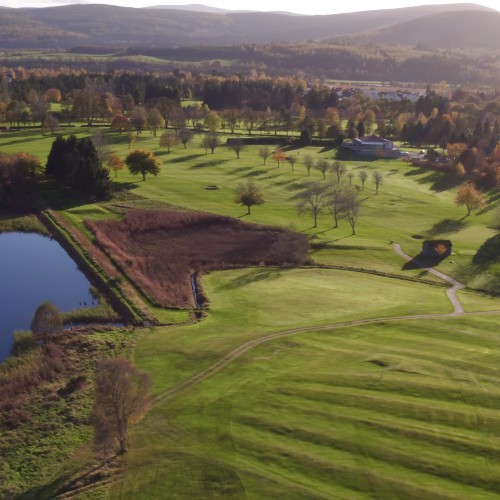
(247, 346)
(451, 292)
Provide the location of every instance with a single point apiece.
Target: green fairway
(250, 303)
(413, 204)
(314, 382)
(385, 410)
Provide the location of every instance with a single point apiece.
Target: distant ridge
(196, 7)
(165, 26)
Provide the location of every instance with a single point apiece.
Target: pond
(35, 269)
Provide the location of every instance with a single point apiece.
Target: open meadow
(348, 377)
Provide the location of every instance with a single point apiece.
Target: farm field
(319, 381)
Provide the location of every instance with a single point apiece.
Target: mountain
(451, 30)
(105, 25)
(195, 7)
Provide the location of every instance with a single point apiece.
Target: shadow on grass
(420, 261)
(253, 276)
(239, 170)
(255, 173)
(447, 226)
(209, 163)
(488, 253)
(440, 181)
(181, 159)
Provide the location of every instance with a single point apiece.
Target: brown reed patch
(160, 250)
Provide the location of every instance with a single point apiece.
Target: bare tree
(313, 199)
(210, 141)
(350, 177)
(185, 135)
(338, 169)
(265, 153)
(292, 160)
(323, 166)
(102, 148)
(50, 124)
(309, 163)
(378, 180)
(352, 210)
(237, 145)
(337, 201)
(363, 175)
(122, 394)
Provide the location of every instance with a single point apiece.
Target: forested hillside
(66, 26)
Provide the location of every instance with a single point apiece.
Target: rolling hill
(67, 26)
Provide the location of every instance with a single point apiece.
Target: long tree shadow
(253, 276)
(489, 252)
(447, 226)
(420, 261)
(183, 159)
(209, 163)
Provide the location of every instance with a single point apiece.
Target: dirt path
(451, 292)
(247, 346)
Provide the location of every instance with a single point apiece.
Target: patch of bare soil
(160, 250)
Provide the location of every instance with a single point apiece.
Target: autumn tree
(120, 123)
(87, 104)
(378, 180)
(279, 156)
(115, 163)
(231, 117)
(312, 200)
(53, 95)
(212, 121)
(142, 162)
(138, 119)
(47, 322)
(469, 196)
(130, 139)
(168, 140)
(50, 124)
(154, 120)
(248, 195)
(185, 135)
(264, 153)
(122, 396)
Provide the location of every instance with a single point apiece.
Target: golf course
(348, 373)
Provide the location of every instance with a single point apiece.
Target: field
(351, 379)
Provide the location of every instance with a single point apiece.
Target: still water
(35, 269)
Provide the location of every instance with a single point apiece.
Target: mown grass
(248, 304)
(387, 410)
(412, 204)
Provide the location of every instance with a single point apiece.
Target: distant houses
(372, 146)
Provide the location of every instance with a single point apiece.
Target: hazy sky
(302, 7)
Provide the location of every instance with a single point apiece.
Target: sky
(300, 7)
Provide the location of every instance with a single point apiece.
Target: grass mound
(161, 250)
